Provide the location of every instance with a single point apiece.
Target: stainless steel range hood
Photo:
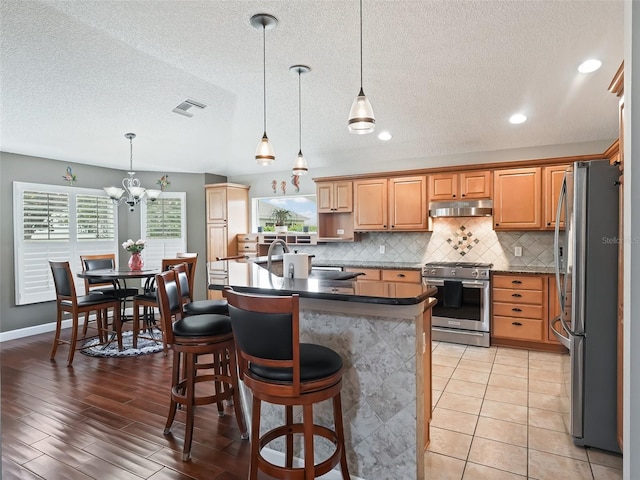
(461, 208)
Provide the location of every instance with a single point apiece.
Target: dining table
(119, 276)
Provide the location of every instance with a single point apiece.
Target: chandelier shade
(265, 154)
(361, 117)
(300, 164)
(132, 192)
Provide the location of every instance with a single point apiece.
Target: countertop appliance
(462, 312)
(587, 289)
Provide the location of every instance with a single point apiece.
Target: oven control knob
(432, 271)
(453, 273)
(474, 274)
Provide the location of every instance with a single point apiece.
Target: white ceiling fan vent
(183, 108)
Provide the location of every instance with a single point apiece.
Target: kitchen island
(385, 344)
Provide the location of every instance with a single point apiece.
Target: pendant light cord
(130, 157)
(360, 44)
(299, 111)
(264, 75)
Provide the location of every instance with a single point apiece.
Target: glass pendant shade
(300, 165)
(361, 117)
(114, 192)
(264, 153)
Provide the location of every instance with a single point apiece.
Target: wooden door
(517, 199)
(408, 203)
(217, 241)
(324, 192)
(443, 186)
(475, 184)
(370, 204)
(552, 183)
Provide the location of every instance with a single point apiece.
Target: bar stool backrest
(100, 261)
(63, 281)
(169, 301)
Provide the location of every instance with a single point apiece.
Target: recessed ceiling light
(385, 136)
(589, 66)
(517, 118)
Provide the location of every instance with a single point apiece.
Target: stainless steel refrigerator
(586, 261)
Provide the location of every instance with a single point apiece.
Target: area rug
(145, 346)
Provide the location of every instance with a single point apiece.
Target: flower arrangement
(134, 247)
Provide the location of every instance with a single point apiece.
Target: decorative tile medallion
(463, 241)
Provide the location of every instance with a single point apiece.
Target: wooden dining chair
(68, 301)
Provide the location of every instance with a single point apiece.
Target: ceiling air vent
(184, 107)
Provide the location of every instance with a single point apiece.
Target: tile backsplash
(466, 239)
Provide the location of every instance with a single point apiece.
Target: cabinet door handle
(463, 194)
(453, 196)
(517, 324)
(497, 224)
(246, 247)
(516, 282)
(516, 309)
(401, 275)
(517, 295)
(548, 223)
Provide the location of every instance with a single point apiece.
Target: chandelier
(132, 193)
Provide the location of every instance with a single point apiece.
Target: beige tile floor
(502, 414)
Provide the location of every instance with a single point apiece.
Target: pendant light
(265, 154)
(361, 117)
(300, 164)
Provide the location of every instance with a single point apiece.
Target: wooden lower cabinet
(387, 282)
(523, 305)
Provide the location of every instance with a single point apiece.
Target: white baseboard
(29, 331)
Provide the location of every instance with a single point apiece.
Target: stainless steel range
(462, 312)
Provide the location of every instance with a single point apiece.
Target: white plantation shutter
(164, 228)
(53, 222)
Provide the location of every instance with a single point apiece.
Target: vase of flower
(135, 262)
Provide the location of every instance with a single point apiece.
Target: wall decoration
(295, 181)
(163, 182)
(283, 186)
(69, 176)
(463, 241)
(274, 185)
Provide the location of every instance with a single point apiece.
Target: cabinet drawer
(368, 273)
(517, 328)
(371, 288)
(410, 276)
(524, 282)
(517, 296)
(517, 310)
(247, 247)
(247, 237)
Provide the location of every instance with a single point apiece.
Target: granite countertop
(245, 275)
(525, 270)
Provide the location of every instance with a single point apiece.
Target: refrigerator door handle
(556, 240)
(565, 341)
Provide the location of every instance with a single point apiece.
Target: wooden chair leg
(307, 421)
(255, 438)
(74, 338)
(56, 338)
(337, 420)
(190, 394)
(175, 379)
(136, 323)
(218, 366)
(237, 403)
(288, 414)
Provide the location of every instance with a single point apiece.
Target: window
(303, 212)
(164, 227)
(53, 222)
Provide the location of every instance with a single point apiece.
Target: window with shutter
(164, 227)
(53, 222)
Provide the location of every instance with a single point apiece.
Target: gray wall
(40, 170)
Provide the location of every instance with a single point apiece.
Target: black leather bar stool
(278, 369)
(190, 338)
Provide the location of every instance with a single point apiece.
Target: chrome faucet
(277, 241)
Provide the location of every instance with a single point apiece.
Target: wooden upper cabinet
(551, 185)
(370, 198)
(396, 204)
(517, 199)
(334, 197)
(216, 205)
(408, 203)
(460, 186)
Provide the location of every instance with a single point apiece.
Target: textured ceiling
(443, 77)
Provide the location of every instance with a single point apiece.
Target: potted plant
(281, 217)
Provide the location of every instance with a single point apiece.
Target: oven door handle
(465, 283)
